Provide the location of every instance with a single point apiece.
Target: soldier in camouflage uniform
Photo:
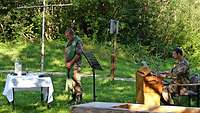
(72, 54)
(179, 74)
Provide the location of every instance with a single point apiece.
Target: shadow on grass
(30, 56)
(4, 105)
(5, 62)
(109, 91)
(106, 91)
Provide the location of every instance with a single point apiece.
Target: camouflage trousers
(172, 89)
(73, 87)
(166, 94)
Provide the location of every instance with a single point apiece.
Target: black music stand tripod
(94, 64)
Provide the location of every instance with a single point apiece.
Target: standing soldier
(72, 54)
(179, 74)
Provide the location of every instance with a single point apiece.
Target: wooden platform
(104, 107)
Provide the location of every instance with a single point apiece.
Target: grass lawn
(29, 55)
(106, 90)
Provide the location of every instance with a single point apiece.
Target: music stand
(94, 64)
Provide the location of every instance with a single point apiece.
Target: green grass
(106, 91)
(29, 55)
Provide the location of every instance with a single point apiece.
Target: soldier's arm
(79, 49)
(181, 69)
(65, 55)
(165, 74)
(65, 60)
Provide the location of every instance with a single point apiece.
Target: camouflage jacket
(73, 48)
(180, 72)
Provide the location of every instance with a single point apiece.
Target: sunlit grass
(29, 54)
(106, 91)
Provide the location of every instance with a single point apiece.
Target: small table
(28, 82)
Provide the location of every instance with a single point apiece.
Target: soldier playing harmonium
(179, 74)
(154, 82)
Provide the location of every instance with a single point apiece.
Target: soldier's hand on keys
(162, 75)
(165, 74)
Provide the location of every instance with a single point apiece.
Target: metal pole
(13, 102)
(42, 41)
(198, 98)
(94, 95)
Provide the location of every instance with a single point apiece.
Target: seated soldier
(179, 74)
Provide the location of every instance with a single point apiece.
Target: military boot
(73, 100)
(78, 99)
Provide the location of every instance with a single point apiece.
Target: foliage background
(149, 30)
(147, 27)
